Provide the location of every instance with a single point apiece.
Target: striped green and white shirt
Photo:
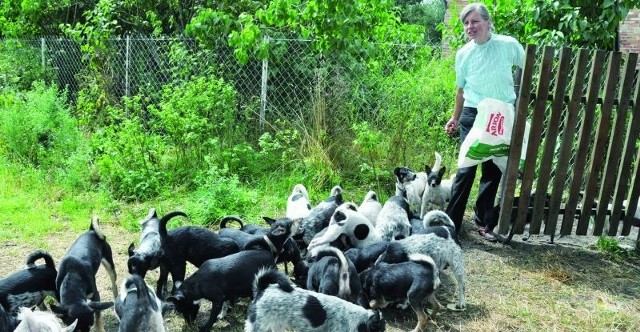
(486, 71)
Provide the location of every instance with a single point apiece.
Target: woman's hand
(451, 126)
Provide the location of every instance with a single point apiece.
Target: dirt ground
(495, 274)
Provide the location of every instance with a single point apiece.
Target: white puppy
(298, 205)
(370, 207)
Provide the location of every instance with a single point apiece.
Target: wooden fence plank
(553, 127)
(615, 149)
(634, 194)
(628, 152)
(584, 139)
(535, 136)
(566, 143)
(517, 133)
(597, 155)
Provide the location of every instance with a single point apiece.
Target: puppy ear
(130, 249)
(280, 230)
(269, 220)
(427, 169)
(441, 171)
(339, 216)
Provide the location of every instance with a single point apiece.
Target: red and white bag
(490, 136)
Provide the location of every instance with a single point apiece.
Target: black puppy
(193, 244)
(29, 287)
(332, 273)
(147, 256)
(363, 258)
(223, 280)
(138, 308)
(250, 233)
(7, 323)
(414, 280)
(76, 280)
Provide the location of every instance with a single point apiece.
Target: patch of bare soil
(525, 286)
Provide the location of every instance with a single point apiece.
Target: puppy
(440, 242)
(393, 220)
(280, 306)
(29, 287)
(147, 256)
(223, 280)
(346, 221)
(411, 186)
(76, 280)
(31, 321)
(7, 323)
(438, 190)
(332, 273)
(219, 280)
(138, 309)
(193, 244)
(370, 207)
(298, 205)
(289, 253)
(319, 216)
(414, 280)
(363, 258)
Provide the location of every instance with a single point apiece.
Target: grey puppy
(393, 220)
(280, 306)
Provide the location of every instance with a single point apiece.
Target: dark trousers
(489, 180)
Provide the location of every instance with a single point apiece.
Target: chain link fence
(281, 85)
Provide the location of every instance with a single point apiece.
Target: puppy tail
(223, 221)
(40, 254)
(438, 163)
(162, 226)
(268, 276)
(96, 228)
(437, 217)
(344, 291)
(301, 189)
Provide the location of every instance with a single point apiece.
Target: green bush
(37, 128)
(21, 65)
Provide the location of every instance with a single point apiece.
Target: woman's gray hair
(479, 8)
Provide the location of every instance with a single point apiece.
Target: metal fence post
(43, 46)
(126, 66)
(263, 88)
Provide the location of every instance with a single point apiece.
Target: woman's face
(476, 28)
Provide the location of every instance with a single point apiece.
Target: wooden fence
(584, 110)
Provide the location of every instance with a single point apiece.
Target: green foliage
(611, 247)
(37, 128)
(220, 193)
(21, 65)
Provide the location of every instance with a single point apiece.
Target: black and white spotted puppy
(29, 287)
(319, 216)
(278, 305)
(414, 281)
(138, 308)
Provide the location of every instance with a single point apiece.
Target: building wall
(630, 32)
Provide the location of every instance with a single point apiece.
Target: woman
(484, 69)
